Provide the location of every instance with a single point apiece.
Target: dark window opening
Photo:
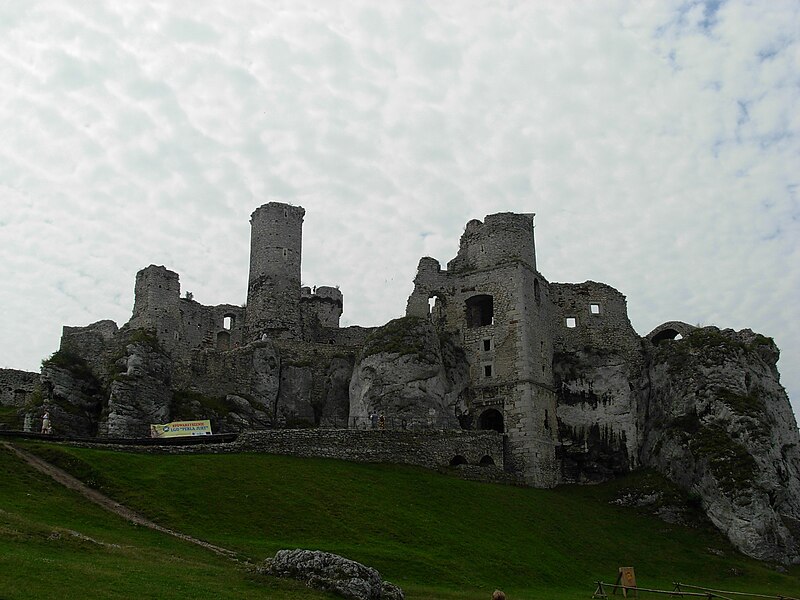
(537, 293)
(491, 420)
(480, 311)
(285, 253)
(487, 345)
(487, 461)
(546, 420)
(487, 370)
(571, 322)
(457, 460)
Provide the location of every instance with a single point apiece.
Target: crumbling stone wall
(182, 324)
(598, 367)
(495, 302)
(17, 387)
(320, 309)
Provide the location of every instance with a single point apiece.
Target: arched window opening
(667, 334)
(457, 460)
(487, 461)
(491, 420)
(223, 340)
(480, 311)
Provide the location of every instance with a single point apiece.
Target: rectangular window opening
(487, 345)
(487, 370)
(572, 322)
(594, 309)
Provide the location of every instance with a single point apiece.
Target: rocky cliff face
(410, 375)
(718, 423)
(598, 399)
(140, 392)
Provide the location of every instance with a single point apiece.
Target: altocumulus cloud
(657, 143)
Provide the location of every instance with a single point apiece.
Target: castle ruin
(555, 370)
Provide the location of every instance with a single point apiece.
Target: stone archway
(491, 420)
(671, 330)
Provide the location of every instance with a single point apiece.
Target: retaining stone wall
(431, 449)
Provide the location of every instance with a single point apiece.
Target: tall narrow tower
(273, 290)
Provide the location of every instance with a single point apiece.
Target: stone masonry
(487, 344)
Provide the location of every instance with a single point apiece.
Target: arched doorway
(487, 461)
(492, 420)
(457, 460)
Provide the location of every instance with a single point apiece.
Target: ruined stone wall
(598, 366)
(273, 292)
(181, 324)
(320, 309)
(509, 354)
(346, 336)
(17, 387)
(500, 238)
(431, 449)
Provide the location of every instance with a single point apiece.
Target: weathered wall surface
(598, 367)
(494, 301)
(430, 449)
(720, 425)
(182, 324)
(273, 289)
(16, 387)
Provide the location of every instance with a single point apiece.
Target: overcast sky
(656, 142)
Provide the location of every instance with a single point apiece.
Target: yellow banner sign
(181, 428)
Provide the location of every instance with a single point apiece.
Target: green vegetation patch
(750, 405)
(438, 537)
(77, 366)
(731, 464)
(406, 335)
(711, 337)
(145, 337)
(56, 544)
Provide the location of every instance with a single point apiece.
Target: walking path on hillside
(107, 503)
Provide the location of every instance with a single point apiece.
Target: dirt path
(107, 503)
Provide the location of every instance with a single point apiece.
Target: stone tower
(273, 289)
(493, 299)
(156, 304)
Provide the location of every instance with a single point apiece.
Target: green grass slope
(435, 536)
(56, 544)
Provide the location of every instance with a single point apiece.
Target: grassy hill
(435, 536)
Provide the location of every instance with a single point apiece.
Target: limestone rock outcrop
(720, 425)
(72, 394)
(598, 399)
(401, 372)
(140, 392)
(331, 573)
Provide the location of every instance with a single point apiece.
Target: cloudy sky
(656, 141)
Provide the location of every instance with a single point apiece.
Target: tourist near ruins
(493, 367)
